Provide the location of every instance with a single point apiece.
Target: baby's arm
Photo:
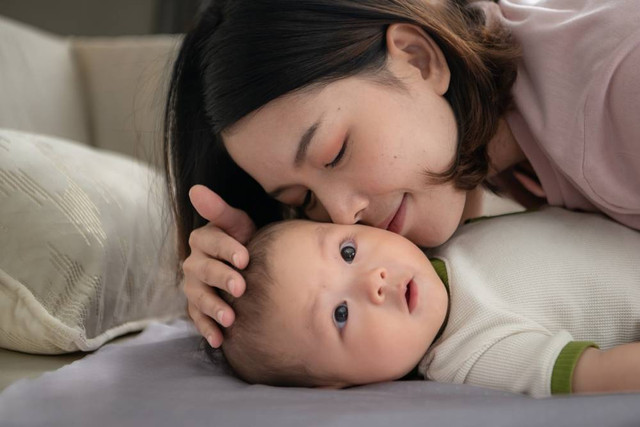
(613, 370)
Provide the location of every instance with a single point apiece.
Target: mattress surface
(161, 378)
(15, 365)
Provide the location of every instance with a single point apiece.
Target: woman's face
(358, 152)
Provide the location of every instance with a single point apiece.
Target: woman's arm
(606, 371)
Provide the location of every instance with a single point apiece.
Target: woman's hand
(222, 239)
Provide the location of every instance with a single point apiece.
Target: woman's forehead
(291, 113)
(290, 108)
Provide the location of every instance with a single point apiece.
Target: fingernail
(219, 315)
(231, 286)
(210, 340)
(235, 257)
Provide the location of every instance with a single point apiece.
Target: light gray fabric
(161, 379)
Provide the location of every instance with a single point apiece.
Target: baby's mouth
(407, 294)
(410, 295)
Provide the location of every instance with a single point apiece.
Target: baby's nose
(376, 285)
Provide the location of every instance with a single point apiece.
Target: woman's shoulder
(570, 30)
(566, 45)
(577, 96)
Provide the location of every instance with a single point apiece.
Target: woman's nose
(344, 207)
(375, 285)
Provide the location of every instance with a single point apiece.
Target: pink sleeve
(612, 132)
(577, 99)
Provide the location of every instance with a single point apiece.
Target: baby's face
(356, 303)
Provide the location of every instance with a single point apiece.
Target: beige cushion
(85, 252)
(40, 88)
(125, 82)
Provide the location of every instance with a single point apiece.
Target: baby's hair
(248, 349)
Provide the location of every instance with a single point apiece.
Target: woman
(393, 113)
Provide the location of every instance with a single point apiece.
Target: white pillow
(85, 252)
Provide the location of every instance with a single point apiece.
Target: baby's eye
(340, 315)
(348, 251)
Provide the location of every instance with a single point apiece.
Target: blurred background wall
(104, 17)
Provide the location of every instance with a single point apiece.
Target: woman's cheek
(319, 213)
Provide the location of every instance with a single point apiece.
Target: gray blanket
(160, 378)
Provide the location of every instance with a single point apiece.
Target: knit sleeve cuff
(562, 375)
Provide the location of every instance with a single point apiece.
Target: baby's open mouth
(407, 294)
(410, 295)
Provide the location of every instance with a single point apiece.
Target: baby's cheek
(391, 343)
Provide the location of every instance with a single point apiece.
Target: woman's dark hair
(241, 54)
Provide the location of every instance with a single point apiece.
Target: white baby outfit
(528, 293)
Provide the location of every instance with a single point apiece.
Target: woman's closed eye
(340, 315)
(309, 200)
(336, 160)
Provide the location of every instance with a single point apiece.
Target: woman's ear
(413, 52)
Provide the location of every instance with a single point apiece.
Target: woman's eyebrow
(303, 146)
(305, 141)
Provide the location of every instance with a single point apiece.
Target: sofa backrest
(125, 83)
(40, 86)
(105, 92)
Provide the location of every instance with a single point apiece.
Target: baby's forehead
(306, 226)
(298, 233)
(300, 239)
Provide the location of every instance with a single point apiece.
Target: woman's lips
(396, 223)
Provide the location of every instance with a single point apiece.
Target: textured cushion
(40, 87)
(86, 254)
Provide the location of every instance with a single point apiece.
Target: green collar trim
(441, 271)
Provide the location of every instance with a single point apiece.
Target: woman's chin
(431, 238)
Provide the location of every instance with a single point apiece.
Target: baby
(521, 302)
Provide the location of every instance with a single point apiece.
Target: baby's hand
(222, 239)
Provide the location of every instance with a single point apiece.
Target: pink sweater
(577, 99)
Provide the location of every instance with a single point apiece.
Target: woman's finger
(206, 327)
(211, 272)
(215, 243)
(213, 208)
(204, 298)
